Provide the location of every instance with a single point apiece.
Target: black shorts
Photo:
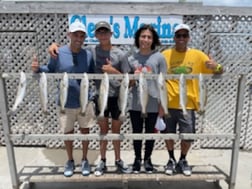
(112, 108)
(186, 123)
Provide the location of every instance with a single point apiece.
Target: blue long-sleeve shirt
(65, 63)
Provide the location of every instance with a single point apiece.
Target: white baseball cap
(182, 27)
(77, 26)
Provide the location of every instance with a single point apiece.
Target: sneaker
(170, 167)
(148, 166)
(69, 168)
(85, 168)
(122, 167)
(136, 166)
(100, 168)
(183, 167)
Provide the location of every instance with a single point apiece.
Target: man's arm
(53, 50)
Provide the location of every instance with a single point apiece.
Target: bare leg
(103, 130)
(69, 147)
(116, 125)
(185, 146)
(84, 144)
(169, 144)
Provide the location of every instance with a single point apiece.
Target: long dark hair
(149, 27)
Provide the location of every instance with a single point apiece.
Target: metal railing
(235, 136)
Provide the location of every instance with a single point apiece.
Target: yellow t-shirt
(190, 62)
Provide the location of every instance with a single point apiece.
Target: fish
(182, 93)
(20, 92)
(123, 96)
(63, 92)
(163, 98)
(103, 95)
(143, 93)
(43, 92)
(84, 86)
(202, 93)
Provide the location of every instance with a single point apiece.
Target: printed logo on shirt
(181, 69)
(143, 69)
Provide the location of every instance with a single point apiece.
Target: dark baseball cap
(102, 24)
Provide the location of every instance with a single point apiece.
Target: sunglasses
(184, 35)
(103, 32)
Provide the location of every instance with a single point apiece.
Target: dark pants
(137, 122)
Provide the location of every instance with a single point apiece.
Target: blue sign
(125, 26)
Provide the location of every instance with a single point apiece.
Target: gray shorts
(71, 115)
(186, 123)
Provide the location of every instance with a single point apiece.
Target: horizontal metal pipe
(110, 136)
(120, 76)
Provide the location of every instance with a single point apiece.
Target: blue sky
(234, 3)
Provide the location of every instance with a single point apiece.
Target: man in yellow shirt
(184, 60)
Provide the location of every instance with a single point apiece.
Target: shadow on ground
(130, 185)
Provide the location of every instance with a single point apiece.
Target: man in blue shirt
(72, 58)
(112, 60)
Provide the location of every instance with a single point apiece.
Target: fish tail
(46, 112)
(201, 112)
(122, 117)
(144, 115)
(11, 112)
(83, 113)
(185, 112)
(100, 117)
(167, 115)
(13, 109)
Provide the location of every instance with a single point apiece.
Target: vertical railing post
(237, 131)
(8, 142)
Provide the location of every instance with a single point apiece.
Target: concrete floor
(35, 156)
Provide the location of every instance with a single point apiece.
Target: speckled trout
(202, 93)
(163, 98)
(63, 92)
(143, 93)
(182, 93)
(43, 92)
(20, 92)
(84, 86)
(123, 96)
(103, 95)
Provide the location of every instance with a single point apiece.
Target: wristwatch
(218, 68)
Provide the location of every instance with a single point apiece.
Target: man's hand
(161, 112)
(53, 50)
(211, 64)
(108, 68)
